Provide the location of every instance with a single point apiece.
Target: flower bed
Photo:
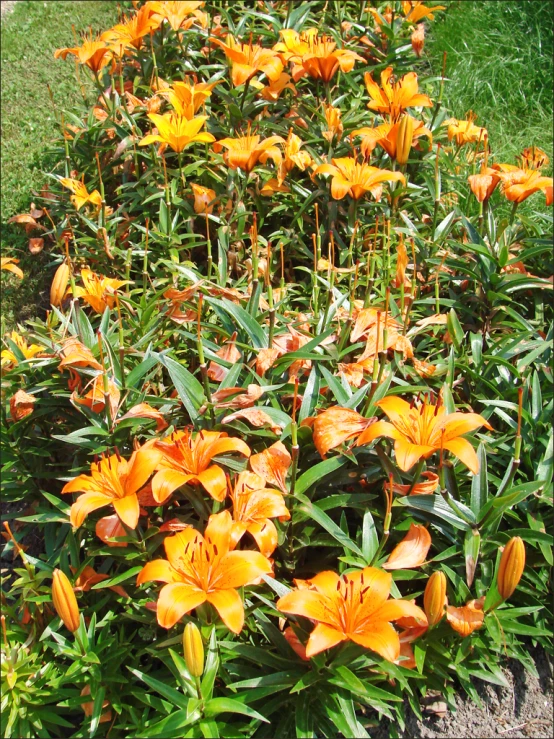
(289, 286)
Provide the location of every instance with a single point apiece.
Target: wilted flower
(352, 607)
(21, 405)
(272, 464)
(466, 619)
(10, 265)
(411, 551)
(203, 198)
(335, 426)
(204, 569)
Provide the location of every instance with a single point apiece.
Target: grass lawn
(499, 63)
(30, 34)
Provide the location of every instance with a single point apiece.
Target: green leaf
(317, 515)
(167, 692)
(164, 217)
(480, 483)
(230, 705)
(189, 389)
(370, 539)
(318, 472)
(434, 505)
(249, 325)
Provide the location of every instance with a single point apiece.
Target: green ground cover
(499, 64)
(30, 34)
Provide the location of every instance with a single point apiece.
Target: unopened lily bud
(194, 650)
(59, 284)
(512, 564)
(434, 598)
(404, 139)
(64, 601)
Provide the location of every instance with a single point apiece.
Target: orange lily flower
(249, 59)
(465, 132)
(394, 97)
(94, 53)
(293, 157)
(314, 55)
(421, 429)
(415, 11)
(334, 426)
(186, 459)
(10, 265)
(354, 178)
(253, 507)
(418, 39)
(176, 12)
(353, 607)
(202, 569)
(188, 97)
(88, 707)
(94, 398)
(246, 151)
(466, 619)
(21, 405)
(98, 291)
(273, 90)
(28, 350)
(80, 193)
(411, 551)
(386, 135)
(177, 131)
(130, 33)
(203, 198)
(334, 123)
(113, 481)
(273, 464)
(518, 184)
(484, 184)
(533, 158)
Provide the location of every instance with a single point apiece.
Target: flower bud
(434, 598)
(512, 564)
(59, 284)
(404, 138)
(64, 601)
(194, 650)
(418, 39)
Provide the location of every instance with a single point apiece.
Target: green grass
(30, 34)
(499, 63)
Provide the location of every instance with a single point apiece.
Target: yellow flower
(314, 55)
(177, 131)
(98, 291)
(334, 123)
(94, 53)
(80, 193)
(394, 97)
(354, 607)
(465, 132)
(29, 351)
(201, 569)
(293, 157)
(415, 10)
(354, 178)
(249, 59)
(420, 430)
(246, 151)
(188, 97)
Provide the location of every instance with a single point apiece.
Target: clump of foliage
(286, 295)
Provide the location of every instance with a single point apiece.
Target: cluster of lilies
(210, 567)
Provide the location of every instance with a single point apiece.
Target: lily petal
(128, 510)
(382, 638)
(241, 568)
(462, 449)
(85, 504)
(323, 637)
(175, 600)
(228, 604)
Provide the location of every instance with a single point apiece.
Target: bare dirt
(525, 709)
